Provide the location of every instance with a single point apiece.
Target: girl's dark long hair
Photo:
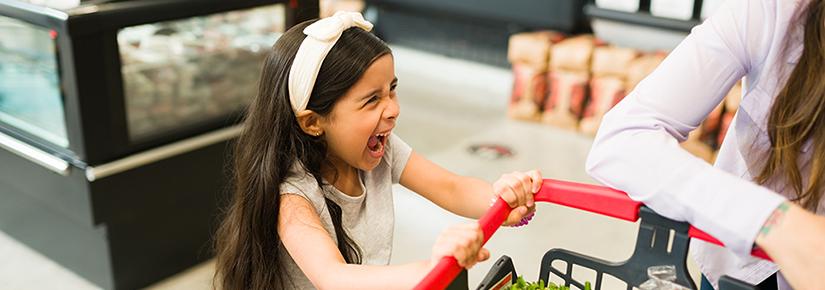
(798, 115)
(247, 246)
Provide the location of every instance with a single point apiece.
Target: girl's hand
(463, 242)
(517, 189)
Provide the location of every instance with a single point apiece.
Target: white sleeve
(636, 149)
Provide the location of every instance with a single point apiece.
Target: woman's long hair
(247, 246)
(798, 115)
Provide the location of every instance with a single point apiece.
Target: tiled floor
(447, 105)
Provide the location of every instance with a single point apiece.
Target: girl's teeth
(376, 142)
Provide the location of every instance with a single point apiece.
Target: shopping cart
(660, 241)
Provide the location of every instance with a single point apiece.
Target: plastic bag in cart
(662, 278)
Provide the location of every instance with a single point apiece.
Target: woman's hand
(795, 240)
(463, 242)
(517, 189)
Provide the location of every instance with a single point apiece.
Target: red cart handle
(588, 197)
(610, 202)
(447, 268)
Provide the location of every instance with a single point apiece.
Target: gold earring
(317, 134)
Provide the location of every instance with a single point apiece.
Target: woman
(768, 179)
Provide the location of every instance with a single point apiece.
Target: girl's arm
(466, 196)
(313, 250)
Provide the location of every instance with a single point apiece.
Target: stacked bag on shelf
(529, 55)
(568, 79)
(609, 83)
(731, 105)
(571, 82)
(706, 139)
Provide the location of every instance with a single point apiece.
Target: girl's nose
(392, 110)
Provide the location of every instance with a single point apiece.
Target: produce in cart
(523, 285)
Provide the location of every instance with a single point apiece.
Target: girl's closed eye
(393, 85)
(371, 101)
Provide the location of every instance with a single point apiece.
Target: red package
(710, 126)
(565, 104)
(608, 86)
(731, 106)
(605, 92)
(529, 92)
(727, 118)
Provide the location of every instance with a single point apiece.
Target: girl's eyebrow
(370, 94)
(375, 91)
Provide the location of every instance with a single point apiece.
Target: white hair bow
(321, 37)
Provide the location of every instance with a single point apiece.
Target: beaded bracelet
(523, 222)
(526, 219)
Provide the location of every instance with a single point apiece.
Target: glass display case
(182, 72)
(107, 79)
(30, 96)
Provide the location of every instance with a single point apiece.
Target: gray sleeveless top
(368, 219)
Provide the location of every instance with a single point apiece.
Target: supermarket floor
(447, 105)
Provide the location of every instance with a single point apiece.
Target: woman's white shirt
(637, 150)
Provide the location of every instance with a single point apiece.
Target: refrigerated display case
(186, 72)
(30, 94)
(138, 73)
(115, 124)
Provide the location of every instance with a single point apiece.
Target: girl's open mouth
(377, 143)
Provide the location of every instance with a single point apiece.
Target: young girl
(315, 165)
(768, 182)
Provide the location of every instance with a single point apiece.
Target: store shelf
(644, 17)
(471, 30)
(640, 18)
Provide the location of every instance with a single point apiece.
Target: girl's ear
(310, 122)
